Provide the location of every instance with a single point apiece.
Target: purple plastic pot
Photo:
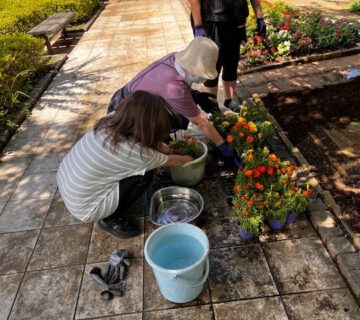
(244, 235)
(276, 224)
(291, 217)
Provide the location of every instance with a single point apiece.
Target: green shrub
(22, 15)
(20, 57)
(355, 6)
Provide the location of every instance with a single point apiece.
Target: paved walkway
(46, 255)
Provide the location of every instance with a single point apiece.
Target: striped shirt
(89, 175)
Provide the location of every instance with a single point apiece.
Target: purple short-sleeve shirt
(162, 78)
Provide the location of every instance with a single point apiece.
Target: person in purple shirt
(171, 77)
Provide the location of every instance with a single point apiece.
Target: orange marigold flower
(277, 194)
(283, 170)
(245, 213)
(307, 193)
(250, 157)
(249, 139)
(241, 134)
(250, 203)
(248, 173)
(272, 157)
(259, 186)
(186, 136)
(237, 188)
(229, 138)
(248, 186)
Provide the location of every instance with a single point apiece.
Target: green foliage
(22, 15)
(189, 147)
(355, 6)
(20, 56)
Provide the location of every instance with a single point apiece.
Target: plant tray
(227, 178)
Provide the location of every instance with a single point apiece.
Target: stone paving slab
(238, 273)
(15, 250)
(302, 265)
(322, 305)
(199, 313)
(9, 285)
(267, 308)
(91, 305)
(48, 294)
(61, 247)
(24, 215)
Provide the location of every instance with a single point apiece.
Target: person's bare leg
(229, 89)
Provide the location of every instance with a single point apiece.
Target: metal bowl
(175, 204)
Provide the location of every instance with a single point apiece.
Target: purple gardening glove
(199, 31)
(261, 27)
(229, 155)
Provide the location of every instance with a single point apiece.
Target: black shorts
(228, 38)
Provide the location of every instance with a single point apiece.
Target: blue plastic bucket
(178, 254)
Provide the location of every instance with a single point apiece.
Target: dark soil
(304, 116)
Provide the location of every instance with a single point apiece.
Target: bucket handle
(191, 285)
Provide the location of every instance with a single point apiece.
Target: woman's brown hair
(142, 117)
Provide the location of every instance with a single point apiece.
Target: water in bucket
(176, 210)
(178, 252)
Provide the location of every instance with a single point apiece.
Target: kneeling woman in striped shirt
(111, 165)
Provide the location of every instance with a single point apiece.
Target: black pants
(131, 189)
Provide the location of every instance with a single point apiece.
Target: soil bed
(307, 117)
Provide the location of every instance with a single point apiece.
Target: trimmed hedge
(21, 56)
(22, 15)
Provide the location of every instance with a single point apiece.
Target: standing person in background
(224, 22)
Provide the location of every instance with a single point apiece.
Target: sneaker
(234, 105)
(121, 228)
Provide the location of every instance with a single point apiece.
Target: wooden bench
(51, 26)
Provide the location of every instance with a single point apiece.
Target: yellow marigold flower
(245, 113)
(228, 113)
(265, 148)
(240, 119)
(257, 100)
(252, 126)
(255, 96)
(243, 107)
(225, 123)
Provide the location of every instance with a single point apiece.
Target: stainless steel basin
(175, 204)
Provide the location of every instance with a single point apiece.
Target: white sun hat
(199, 58)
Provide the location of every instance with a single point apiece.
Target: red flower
(249, 139)
(286, 27)
(266, 51)
(261, 169)
(270, 170)
(256, 174)
(257, 38)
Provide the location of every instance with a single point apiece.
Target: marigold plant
(266, 188)
(188, 146)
